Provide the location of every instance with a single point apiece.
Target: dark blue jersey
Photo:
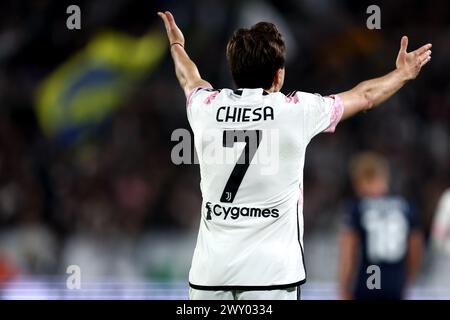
(383, 225)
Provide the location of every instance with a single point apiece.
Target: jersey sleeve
(414, 223)
(440, 232)
(193, 94)
(196, 98)
(321, 114)
(351, 217)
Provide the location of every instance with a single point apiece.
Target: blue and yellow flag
(86, 89)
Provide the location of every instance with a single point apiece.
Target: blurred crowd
(118, 184)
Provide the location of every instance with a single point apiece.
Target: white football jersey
(251, 149)
(440, 233)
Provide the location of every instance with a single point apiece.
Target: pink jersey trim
(336, 115)
(211, 97)
(188, 98)
(441, 232)
(292, 97)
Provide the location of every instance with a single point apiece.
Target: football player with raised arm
(250, 242)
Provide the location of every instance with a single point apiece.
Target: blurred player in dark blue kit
(380, 229)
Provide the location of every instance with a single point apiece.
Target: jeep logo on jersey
(237, 212)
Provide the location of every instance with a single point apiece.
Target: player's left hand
(411, 62)
(173, 32)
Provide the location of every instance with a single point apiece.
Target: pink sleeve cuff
(336, 115)
(189, 96)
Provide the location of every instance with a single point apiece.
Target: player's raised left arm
(185, 69)
(369, 94)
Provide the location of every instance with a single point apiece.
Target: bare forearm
(414, 256)
(348, 243)
(371, 93)
(380, 89)
(185, 68)
(345, 279)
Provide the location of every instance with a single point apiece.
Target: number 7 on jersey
(252, 138)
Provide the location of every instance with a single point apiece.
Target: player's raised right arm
(185, 69)
(369, 94)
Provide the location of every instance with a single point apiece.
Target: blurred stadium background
(86, 118)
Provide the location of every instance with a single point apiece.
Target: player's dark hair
(255, 55)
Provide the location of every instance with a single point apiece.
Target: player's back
(383, 225)
(251, 148)
(245, 135)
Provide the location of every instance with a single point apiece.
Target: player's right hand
(410, 63)
(173, 32)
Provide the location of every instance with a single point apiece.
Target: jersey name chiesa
(251, 149)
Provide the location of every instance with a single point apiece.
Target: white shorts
(284, 294)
